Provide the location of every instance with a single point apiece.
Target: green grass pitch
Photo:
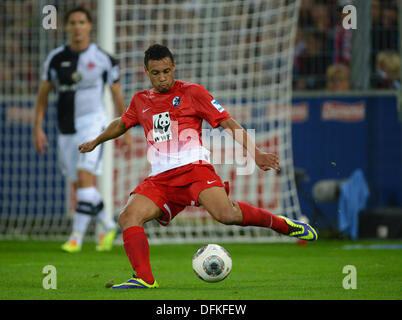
(268, 271)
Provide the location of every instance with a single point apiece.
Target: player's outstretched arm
(115, 129)
(40, 139)
(265, 161)
(120, 107)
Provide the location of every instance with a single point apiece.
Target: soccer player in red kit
(171, 114)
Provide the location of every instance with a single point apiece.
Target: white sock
(81, 220)
(108, 224)
(80, 224)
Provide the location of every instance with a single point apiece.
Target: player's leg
(89, 198)
(138, 210)
(81, 170)
(88, 166)
(253, 216)
(89, 205)
(68, 158)
(79, 226)
(218, 204)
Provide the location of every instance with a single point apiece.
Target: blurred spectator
(387, 71)
(322, 20)
(321, 17)
(6, 78)
(320, 41)
(305, 16)
(384, 32)
(375, 12)
(311, 61)
(338, 77)
(389, 22)
(342, 39)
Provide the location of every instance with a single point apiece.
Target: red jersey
(172, 123)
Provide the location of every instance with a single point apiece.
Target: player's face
(78, 27)
(161, 74)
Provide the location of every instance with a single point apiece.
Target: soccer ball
(212, 263)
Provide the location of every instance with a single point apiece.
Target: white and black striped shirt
(79, 78)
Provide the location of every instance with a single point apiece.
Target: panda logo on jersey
(161, 129)
(162, 122)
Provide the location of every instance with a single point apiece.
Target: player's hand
(87, 146)
(267, 161)
(40, 140)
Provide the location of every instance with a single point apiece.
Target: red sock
(253, 216)
(137, 250)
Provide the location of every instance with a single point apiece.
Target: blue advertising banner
(334, 136)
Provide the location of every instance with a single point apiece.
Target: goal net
(240, 50)
(35, 199)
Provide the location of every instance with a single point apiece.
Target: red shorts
(175, 189)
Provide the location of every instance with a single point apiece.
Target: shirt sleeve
(207, 107)
(49, 71)
(113, 71)
(130, 117)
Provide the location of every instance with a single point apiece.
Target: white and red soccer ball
(212, 263)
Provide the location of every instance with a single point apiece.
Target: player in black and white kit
(79, 72)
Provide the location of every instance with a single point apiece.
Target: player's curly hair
(157, 52)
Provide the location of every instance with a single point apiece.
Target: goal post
(106, 40)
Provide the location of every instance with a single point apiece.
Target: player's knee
(226, 216)
(122, 219)
(84, 179)
(132, 217)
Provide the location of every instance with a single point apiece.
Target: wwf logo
(162, 122)
(161, 129)
(176, 101)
